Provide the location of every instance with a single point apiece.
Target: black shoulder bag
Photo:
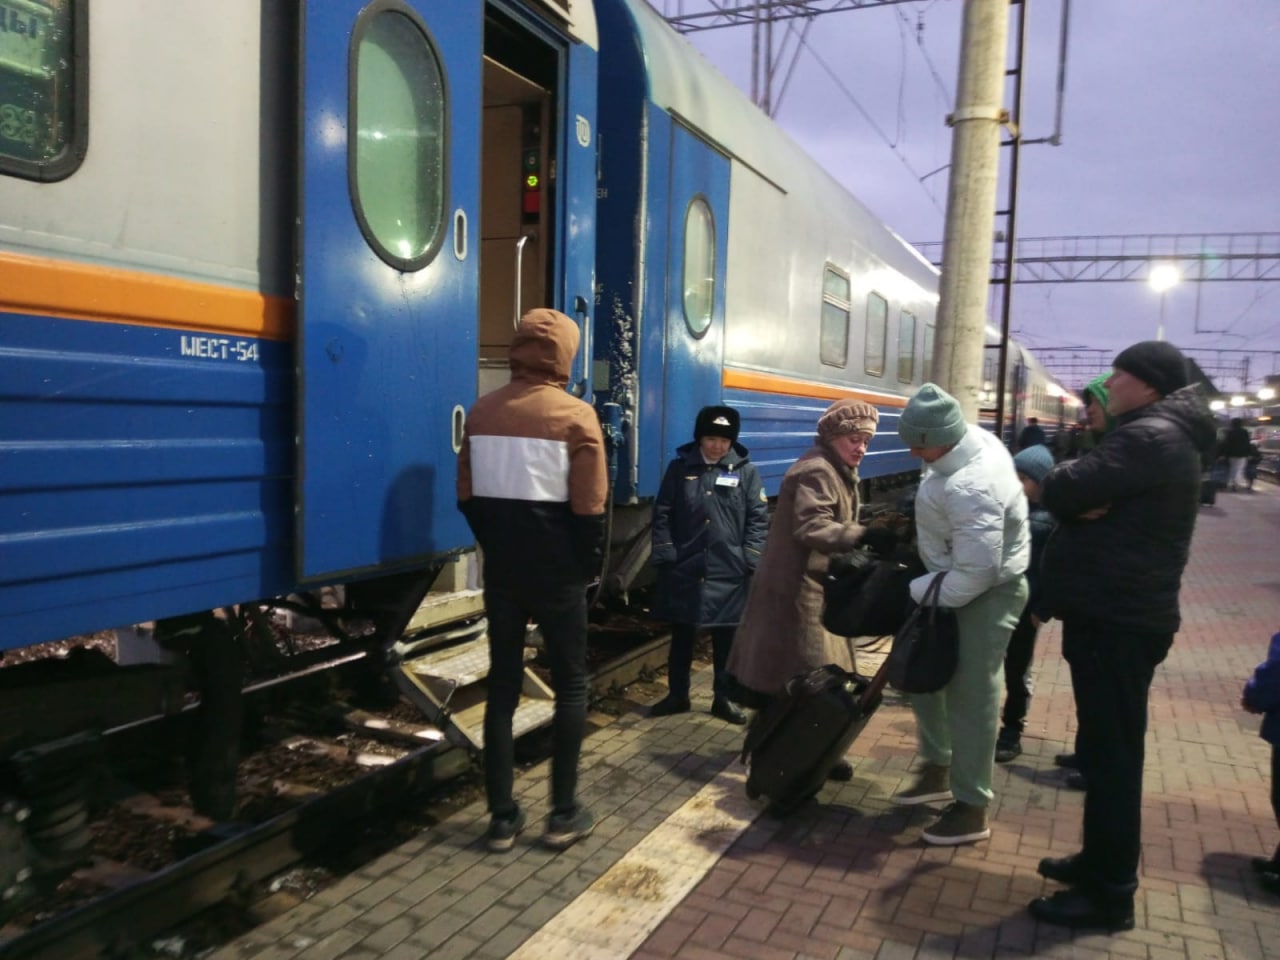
(927, 648)
(865, 595)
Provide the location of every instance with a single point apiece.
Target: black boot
(841, 771)
(1068, 870)
(1075, 908)
(669, 705)
(727, 711)
(1008, 745)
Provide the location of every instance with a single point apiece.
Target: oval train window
(699, 270)
(398, 136)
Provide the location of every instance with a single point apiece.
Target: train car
(255, 259)
(1029, 391)
(733, 269)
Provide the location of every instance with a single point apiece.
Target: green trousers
(957, 725)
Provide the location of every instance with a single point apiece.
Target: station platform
(683, 865)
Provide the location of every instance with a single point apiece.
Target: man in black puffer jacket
(1112, 571)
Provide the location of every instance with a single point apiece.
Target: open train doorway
(518, 232)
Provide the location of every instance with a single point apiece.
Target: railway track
(120, 907)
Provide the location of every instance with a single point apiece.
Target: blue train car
(256, 260)
(733, 268)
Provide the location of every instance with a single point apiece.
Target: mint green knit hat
(932, 418)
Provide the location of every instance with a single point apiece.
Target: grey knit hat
(1035, 462)
(932, 418)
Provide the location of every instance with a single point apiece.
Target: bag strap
(933, 591)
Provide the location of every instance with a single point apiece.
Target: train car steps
(444, 674)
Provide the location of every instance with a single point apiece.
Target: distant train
(257, 259)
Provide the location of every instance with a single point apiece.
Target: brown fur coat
(781, 632)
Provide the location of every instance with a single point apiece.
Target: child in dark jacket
(1032, 464)
(1262, 695)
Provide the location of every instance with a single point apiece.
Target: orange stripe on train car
(81, 291)
(788, 386)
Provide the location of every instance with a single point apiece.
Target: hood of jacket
(692, 453)
(543, 347)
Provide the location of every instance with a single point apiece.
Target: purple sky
(1170, 126)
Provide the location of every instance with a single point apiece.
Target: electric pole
(971, 202)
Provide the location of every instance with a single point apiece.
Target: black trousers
(680, 659)
(1017, 675)
(1111, 671)
(561, 613)
(1275, 793)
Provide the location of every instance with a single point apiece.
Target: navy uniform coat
(710, 522)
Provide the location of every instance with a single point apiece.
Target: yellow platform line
(617, 913)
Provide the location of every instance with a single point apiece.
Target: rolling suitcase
(794, 742)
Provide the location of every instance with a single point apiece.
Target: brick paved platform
(683, 865)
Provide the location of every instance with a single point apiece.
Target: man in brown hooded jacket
(532, 484)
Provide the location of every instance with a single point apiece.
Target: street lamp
(1162, 277)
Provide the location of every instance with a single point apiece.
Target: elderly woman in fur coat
(817, 511)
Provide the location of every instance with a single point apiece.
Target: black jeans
(680, 659)
(1017, 675)
(1111, 670)
(1275, 792)
(561, 613)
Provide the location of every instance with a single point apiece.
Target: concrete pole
(971, 202)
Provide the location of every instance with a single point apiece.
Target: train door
(697, 236)
(389, 198)
(537, 176)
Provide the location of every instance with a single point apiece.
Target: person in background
(816, 516)
(1032, 435)
(1097, 422)
(1237, 447)
(532, 485)
(971, 522)
(1097, 419)
(1032, 464)
(1262, 695)
(1111, 573)
(710, 521)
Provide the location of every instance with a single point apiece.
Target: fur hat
(932, 418)
(717, 422)
(847, 416)
(1035, 462)
(1157, 363)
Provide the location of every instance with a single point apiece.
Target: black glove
(879, 540)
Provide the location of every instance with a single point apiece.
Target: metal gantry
(1117, 258)
(717, 14)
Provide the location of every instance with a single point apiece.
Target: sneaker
(667, 706)
(959, 823)
(503, 832)
(728, 711)
(566, 829)
(933, 784)
(1007, 748)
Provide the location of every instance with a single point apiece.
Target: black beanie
(1157, 363)
(717, 422)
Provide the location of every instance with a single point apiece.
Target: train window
(44, 99)
(926, 361)
(833, 344)
(396, 150)
(699, 280)
(906, 346)
(877, 333)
